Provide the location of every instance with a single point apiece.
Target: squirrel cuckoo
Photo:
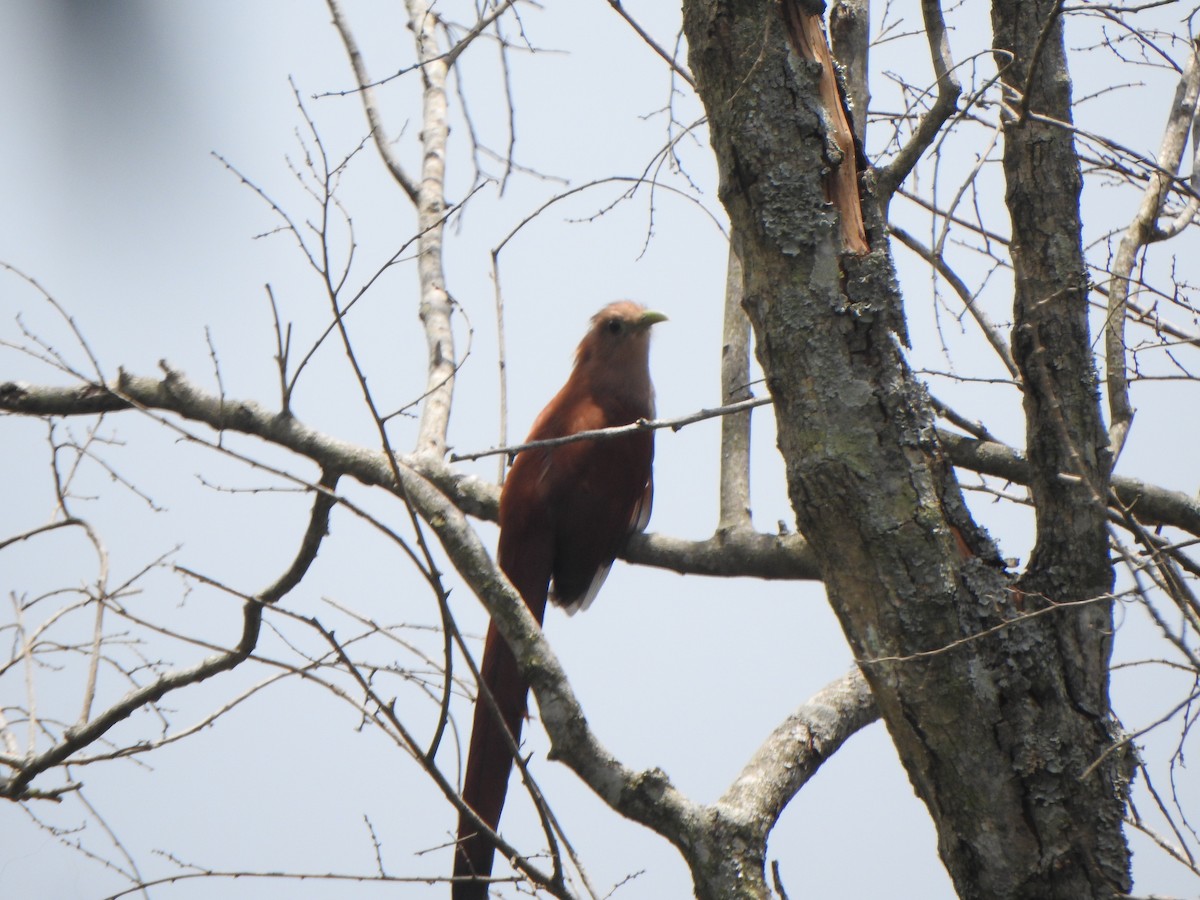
(565, 512)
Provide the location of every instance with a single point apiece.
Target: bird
(565, 513)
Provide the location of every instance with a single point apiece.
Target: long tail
(489, 763)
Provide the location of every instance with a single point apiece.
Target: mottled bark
(995, 719)
(850, 41)
(1051, 341)
(1066, 441)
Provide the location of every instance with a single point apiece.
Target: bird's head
(620, 333)
(614, 356)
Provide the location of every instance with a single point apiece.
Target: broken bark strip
(807, 36)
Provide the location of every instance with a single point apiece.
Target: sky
(118, 203)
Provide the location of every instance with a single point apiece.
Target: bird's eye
(614, 326)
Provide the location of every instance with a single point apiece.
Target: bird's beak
(650, 317)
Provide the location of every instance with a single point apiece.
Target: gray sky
(113, 201)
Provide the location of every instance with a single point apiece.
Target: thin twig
(632, 428)
(651, 43)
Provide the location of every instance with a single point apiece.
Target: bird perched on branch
(565, 513)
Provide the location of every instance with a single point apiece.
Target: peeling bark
(984, 706)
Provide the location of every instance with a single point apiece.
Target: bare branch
(850, 39)
(797, 748)
(651, 43)
(91, 730)
(77, 738)
(735, 388)
(436, 305)
(739, 552)
(1140, 232)
(944, 105)
(759, 554)
(1154, 505)
(365, 89)
(648, 796)
(608, 433)
(968, 297)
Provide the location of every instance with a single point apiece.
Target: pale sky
(114, 203)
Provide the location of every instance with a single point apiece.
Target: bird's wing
(641, 512)
(584, 600)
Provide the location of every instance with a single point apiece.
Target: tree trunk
(996, 717)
